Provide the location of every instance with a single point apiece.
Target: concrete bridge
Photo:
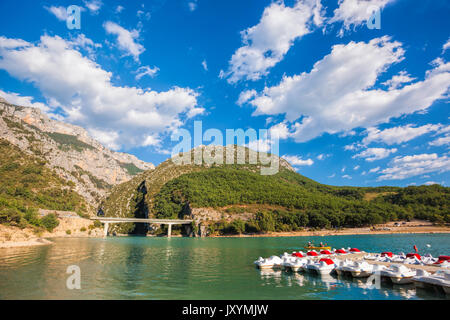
(169, 222)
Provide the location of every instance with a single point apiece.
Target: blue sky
(351, 105)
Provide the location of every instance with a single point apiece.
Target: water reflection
(147, 268)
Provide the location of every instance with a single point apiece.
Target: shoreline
(411, 229)
(323, 233)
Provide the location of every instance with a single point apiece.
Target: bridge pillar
(169, 230)
(105, 229)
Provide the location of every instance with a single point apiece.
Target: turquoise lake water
(193, 268)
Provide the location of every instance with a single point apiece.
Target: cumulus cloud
(411, 166)
(280, 131)
(355, 12)
(126, 40)
(297, 161)
(338, 94)
(88, 98)
(372, 154)
(399, 134)
(266, 44)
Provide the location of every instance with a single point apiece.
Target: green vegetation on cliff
(26, 185)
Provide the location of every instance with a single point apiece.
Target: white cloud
(205, 65)
(356, 167)
(441, 141)
(260, 145)
(59, 12)
(106, 137)
(429, 183)
(84, 91)
(16, 99)
(7, 43)
(151, 141)
(410, 166)
(376, 169)
(354, 146)
(265, 44)
(297, 161)
(126, 40)
(192, 5)
(280, 131)
(93, 5)
(119, 9)
(399, 134)
(143, 15)
(337, 95)
(355, 12)
(346, 176)
(323, 156)
(146, 71)
(195, 112)
(372, 154)
(446, 45)
(399, 79)
(245, 96)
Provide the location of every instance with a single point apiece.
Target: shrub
(237, 226)
(32, 217)
(83, 229)
(50, 222)
(97, 224)
(68, 232)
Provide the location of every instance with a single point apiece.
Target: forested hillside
(286, 201)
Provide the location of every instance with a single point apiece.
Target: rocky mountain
(69, 151)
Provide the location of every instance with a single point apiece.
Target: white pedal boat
(322, 267)
(441, 278)
(344, 266)
(399, 274)
(268, 263)
(361, 270)
(296, 265)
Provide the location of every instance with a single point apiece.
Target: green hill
(239, 199)
(27, 184)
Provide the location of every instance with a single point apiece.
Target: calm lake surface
(193, 268)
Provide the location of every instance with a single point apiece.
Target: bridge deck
(156, 221)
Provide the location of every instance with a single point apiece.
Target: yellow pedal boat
(317, 248)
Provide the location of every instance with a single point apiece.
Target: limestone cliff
(68, 150)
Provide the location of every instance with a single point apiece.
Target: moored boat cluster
(423, 271)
